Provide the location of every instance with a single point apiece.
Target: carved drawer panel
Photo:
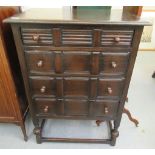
(77, 37)
(37, 36)
(113, 64)
(110, 88)
(40, 61)
(105, 108)
(76, 62)
(75, 107)
(76, 87)
(43, 86)
(117, 37)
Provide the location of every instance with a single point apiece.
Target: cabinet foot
(37, 132)
(114, 135)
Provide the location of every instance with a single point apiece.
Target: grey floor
(141, 103)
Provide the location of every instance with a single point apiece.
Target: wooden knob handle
(117, 39)
(109, 90)
(46, 109)
(106, 111)
(43, 89)
(40, 63)
(35, 37)
(113, 63)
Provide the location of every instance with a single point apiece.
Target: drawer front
(40, 61)
(76, 62)
(110, 88)
(116, 37)
(113, 64)
(37, 36)
(76, 87)
(76, 107)
(43, 86)
(77, 37)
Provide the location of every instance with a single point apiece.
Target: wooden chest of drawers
(76, 68)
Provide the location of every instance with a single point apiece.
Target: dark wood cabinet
(76, 67)
(13, 102)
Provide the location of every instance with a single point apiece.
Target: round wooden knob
(35, 37)
(113, 63)
(106, 110)
(109, 90)
(43, 89)
(40, 63)
(46, 109)
(117, 39)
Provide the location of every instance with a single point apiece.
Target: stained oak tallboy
(76, 65)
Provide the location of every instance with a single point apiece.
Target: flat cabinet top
(83, 16)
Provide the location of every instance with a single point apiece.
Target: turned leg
(37, 131)
(135, 121)
(22, 125)
(114, 133)
(153, 75)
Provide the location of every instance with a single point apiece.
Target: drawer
(40, 61)
(66, 107)
(76, 62)
(116, 37)
(76, 87)
(37, 36)
(110, 88)
(77, 37)
(43, 86)
(103, 108)
(113, 64)
(75, 107)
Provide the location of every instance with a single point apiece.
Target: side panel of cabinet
(7, 91)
